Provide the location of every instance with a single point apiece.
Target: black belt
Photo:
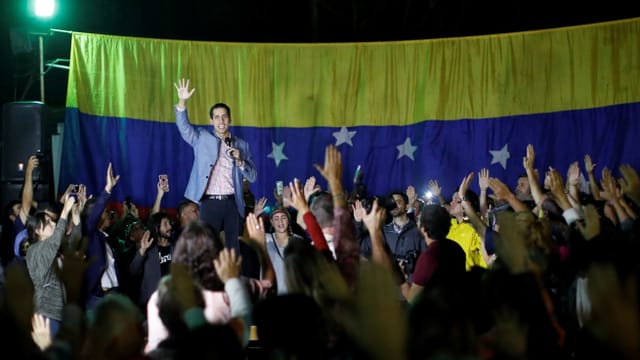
(217, 197)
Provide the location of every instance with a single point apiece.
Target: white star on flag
(277, 153)
(406, 149)
(500, 156)
(344, 136)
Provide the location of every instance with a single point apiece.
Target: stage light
(44, 8)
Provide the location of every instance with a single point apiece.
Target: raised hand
(411, 194)
(435, 189)
(69, 202)
(589, 166)
(573, 174)
(145, 242)
(69, 190)
(255, 229)
(286, 196)
(359, 212)
(528, 160)
(32, 163)
(259, 207)
(111, 180)
(375, 218)
(163, 187)
(332, 168)
(483, 179)
(76, 211)
(298, 199)
(464, 185)
(630, 183)
(609, 189)
(555, 183)
(500, 189)
(227, 264)
(310, 187)
(182, 89)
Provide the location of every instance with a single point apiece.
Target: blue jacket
(205, 153)
(96, 250)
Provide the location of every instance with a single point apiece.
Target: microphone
(227, 141)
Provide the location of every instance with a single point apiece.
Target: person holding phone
(221, 163)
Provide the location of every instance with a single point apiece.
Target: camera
(408, 261)
(74, 191)
(388, 203)
(40, 155)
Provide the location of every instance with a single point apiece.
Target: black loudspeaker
(25, 132)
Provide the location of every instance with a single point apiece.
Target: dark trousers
(223, 215)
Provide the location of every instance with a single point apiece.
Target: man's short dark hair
(404, 196)
(183, 204)
(219, 106)
(435, 221)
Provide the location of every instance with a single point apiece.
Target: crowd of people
(543, 271)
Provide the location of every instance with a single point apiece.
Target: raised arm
(630, 183)
(610, 194)
(299, 202)
(532, 175)
(478, 225)
(374, 221)
(332, 172)
(557, 189)
(101, 201)
(589, 166)
(27, 188)
(502, 192)
(346, 246)
(256, 231)
(483, 183)
(573, 184)
(187, 131)
(162, 188)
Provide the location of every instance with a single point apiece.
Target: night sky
(276, 21)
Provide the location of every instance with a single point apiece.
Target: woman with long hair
(45, 237)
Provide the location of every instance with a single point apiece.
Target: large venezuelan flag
(405, 111)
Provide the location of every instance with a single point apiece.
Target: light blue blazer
(205, 153)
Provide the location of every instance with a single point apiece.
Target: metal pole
(41, 50)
